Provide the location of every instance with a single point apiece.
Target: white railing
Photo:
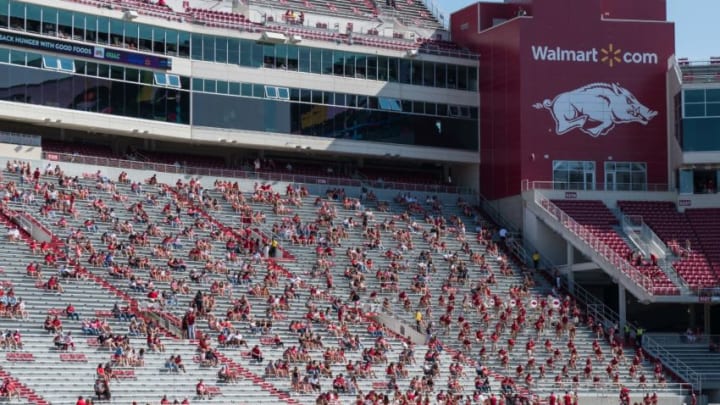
(603, 251)
(527, 185)
(20, 139)
(672, 362)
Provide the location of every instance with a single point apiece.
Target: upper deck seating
(597, 217)
(676, 230)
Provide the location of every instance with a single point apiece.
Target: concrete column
(691, 316)
(622, 308)
(570, 255)
(707, 327)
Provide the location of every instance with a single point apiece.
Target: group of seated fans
(466, 318)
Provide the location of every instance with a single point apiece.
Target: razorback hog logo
(595, 109)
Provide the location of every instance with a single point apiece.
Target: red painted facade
(571, 80)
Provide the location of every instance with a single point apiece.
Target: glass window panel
(372, 68)
(49, 62)
(462, 78)
(67, 65)
(317, 97)
(221, 52)
(171, 42)
(713, 109)
(694, 96)
(103, 30)
(451, 76)
(283, 93)
(49, 21)
(393, 75)
(184, 43)
(270, 91)
(17, 16)
(222, 87)
(145, 38)
(327, 62)
(33, 15)
(472, 79)
(428, 74)
(292, 58)
(339, 99)
(246, 90)
(91, 69)
(65, 21)
(349, 64)
(159, 39)
(196, 47)
(234, 88)
(295, 94)
(281, 56)
(197, 84)
(268, 56)
(338, 62)
(430, 108)
(256, 55)
(132, 75)
(233, 51)
(316, 65)
(122, 35)
(173, 80)
(406, 105)
(442, 109)
(209, 86)
(91, 28)
(712, 95)
(440, 75)
(328, 97)
(695, 110)
(373, 102)
(160, 79)
(351, 100)
(258, 90)
(303, 59)
(416, 72)
(405, 71)
(118, 72)
(382, 68)
(208, 48)
(305, 95)
(361, 67)
(35, 60)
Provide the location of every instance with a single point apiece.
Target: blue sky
(696, 27)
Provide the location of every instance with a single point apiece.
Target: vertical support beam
(622, 308)
(691, 316)
(707, 326)
(570, 255)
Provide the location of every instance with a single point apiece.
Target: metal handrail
(672, 362)
(600, 247)
(649, 237)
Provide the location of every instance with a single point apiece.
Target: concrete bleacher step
(100, 292)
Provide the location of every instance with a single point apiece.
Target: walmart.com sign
(609, 55)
